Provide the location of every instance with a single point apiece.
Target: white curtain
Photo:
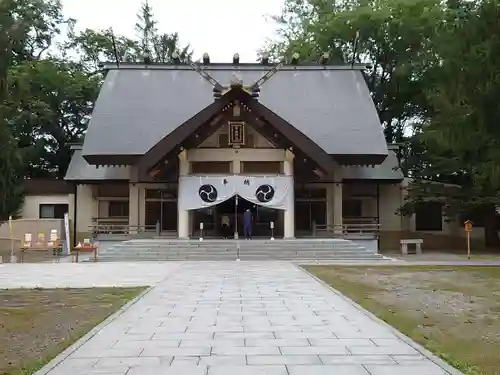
(198, 192)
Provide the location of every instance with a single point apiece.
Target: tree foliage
(96, 46)
(50, 106)
(461, 136)
(395, 38)
(47, 95)
(160, 47)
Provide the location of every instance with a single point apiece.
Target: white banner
(198, 192)
(66, 233)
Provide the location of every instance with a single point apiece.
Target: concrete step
(225, 250)
(177, 249)
(270, 247)
(141, 257)
(234, 253)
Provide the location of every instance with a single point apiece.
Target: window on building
(118, 209)
(352, 208)
(52, 211)
(429, 216)
(259, 167)
(210, 167)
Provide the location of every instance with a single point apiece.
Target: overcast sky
(219, 27)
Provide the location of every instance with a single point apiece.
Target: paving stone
(428, 369)
(283, 360)
(248, 370)
(235, 319)
(130, 362)
(183, 336)
(304, 335)
(183, 369)
(61, 370)
(168, 351)
(409, 359)
(339, 350)
(232, 350)
(341, 342)
(244, 335)
(387, 350)
(124, 344)
(223, 360)
(357, 360)
(277, 342)
(214, 342)
(132, 351)
(328, 370)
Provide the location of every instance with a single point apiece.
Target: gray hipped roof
(80, 170)
(137, 107)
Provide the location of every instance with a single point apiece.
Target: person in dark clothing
(247, 224)
(225, 223)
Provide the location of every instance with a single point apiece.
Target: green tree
(396, 39)
(462, 137)
(52, 102)
(10, 155)
(11, 175)
(96, 46)
(160, 47)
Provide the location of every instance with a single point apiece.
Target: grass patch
(452, 311)
(37, 324)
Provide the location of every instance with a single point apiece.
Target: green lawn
(452, 311)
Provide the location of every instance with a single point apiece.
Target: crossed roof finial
(236, 81)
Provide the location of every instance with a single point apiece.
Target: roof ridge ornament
(255, 88)
(218, 88)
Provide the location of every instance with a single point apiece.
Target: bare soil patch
(37, 324)
(453, 311)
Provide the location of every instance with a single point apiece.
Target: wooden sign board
(236, 133)
(27, 241)
(40, 240)
(468, 226)
(53, 239)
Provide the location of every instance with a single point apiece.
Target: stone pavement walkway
(83, 275)
(255, 318)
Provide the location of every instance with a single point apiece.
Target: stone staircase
(212, 250)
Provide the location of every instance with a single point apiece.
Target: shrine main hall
(171, 146)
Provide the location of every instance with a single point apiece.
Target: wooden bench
(417, 242)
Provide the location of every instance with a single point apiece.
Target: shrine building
(171, 146)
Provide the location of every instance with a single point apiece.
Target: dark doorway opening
(234, 208)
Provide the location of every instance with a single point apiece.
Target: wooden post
(468, 229)
(468, 245)
(13, 258)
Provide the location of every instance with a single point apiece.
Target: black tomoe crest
(208, 193)
(264, 193)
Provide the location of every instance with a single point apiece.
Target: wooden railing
(360, 220)
(360, 229)
(120, 226)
